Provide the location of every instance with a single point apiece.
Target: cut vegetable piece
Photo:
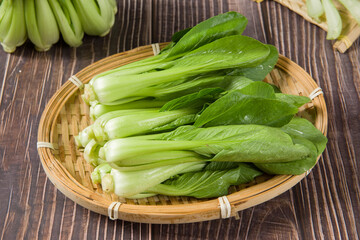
(353, 6)
(315, 9)
(333, 19)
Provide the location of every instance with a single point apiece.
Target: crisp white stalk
(12, 25)
(96, 16)
(33, 28)
(68, 21)
(127, 184)
(98, 109)
(48, 28)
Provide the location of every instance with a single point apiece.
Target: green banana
(41, 24)
(12, 24)
(68, 21)
(96, 16)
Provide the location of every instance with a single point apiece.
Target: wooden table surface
(325, 205)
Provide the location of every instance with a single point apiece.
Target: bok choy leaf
(239, 143)
(302, 132)
(256, 103)
(210, 182)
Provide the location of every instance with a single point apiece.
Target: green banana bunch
(96, 16)
(12, 24)
(42, 21)
(68, 21)
(41, 24)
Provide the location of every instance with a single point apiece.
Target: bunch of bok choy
(196, 118)
(42, 21)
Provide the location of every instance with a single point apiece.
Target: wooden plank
(325, 205)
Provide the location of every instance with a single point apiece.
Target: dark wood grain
(325, 205)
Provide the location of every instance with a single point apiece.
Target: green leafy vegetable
(12, 24)
(207, 183)
(239, 143)
(68, 21)
(98, 109)
(192, 100)
(256, 103)
(259, 72)
(96, 16)
(227, 24)
(224, 53)
(41, 25)
(220, 124)
(302, 132)
(124, 123)
(219, 26)
(43, 20)
(127, 184)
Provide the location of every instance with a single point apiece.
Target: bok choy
(195, 119)
(42, 21)
(124, 123)
(224, 53)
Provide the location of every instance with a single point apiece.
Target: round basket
(66, 114)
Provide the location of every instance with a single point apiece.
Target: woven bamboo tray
(66, 114)
(351, 29)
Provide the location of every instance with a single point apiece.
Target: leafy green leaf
(253, 104)
(180, 121)
(293, 167)
(196, 99)
(303, 128)
(207, 183)
(227, 52)
(297, 101)
(304, 133)
(259, 72)
(230, 23)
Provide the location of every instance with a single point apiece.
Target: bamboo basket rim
(176, 213)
